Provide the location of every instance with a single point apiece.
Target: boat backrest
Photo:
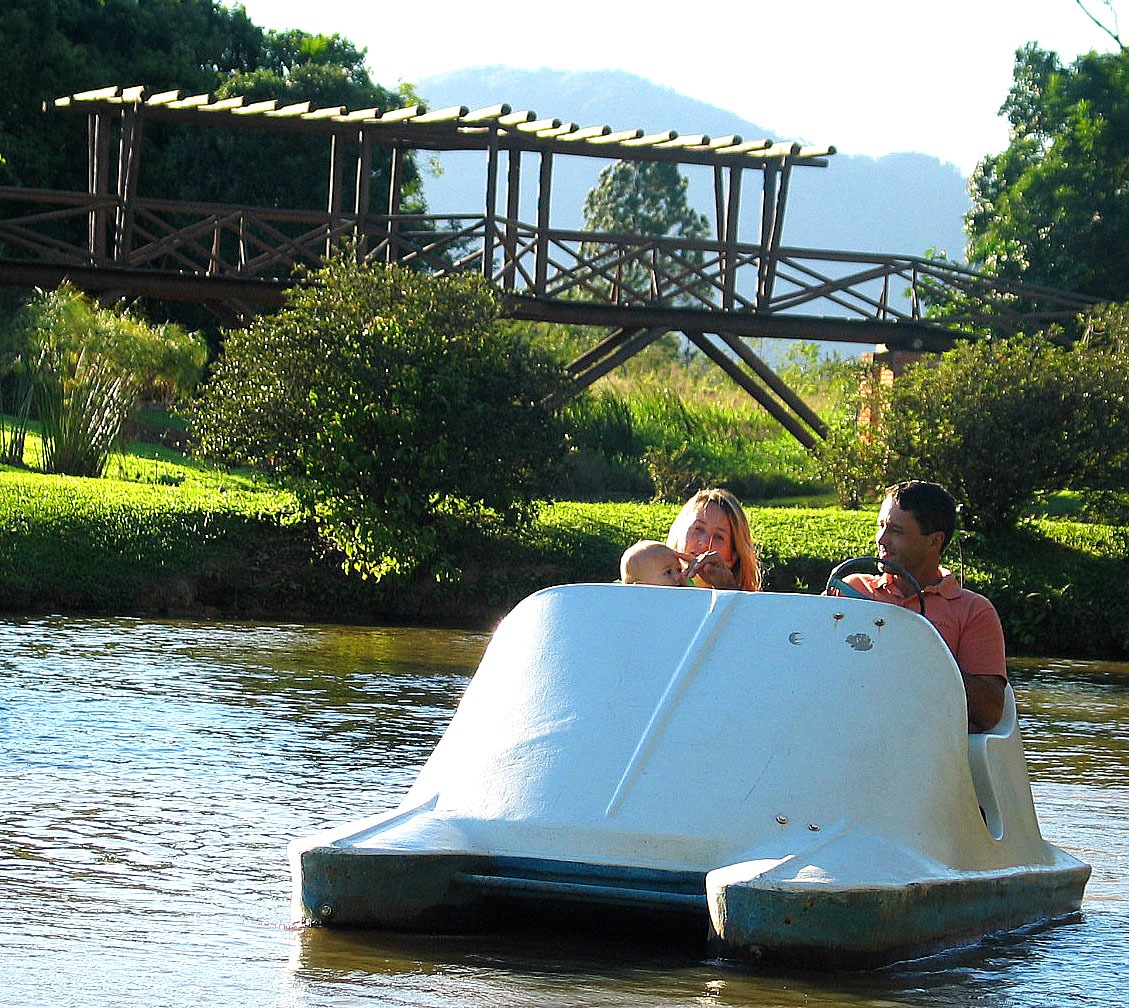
(999, 773)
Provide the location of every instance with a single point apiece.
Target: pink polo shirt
(967, 622)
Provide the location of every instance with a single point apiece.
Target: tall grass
(668, 422)
(653, 441)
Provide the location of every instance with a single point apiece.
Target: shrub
(997, 421)
(396, 406)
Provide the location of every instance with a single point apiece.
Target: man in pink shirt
(915, 524)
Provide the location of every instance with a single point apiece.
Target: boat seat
(991, 760)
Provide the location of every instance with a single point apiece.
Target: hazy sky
(871, 77)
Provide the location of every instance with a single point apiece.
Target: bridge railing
(257, 243)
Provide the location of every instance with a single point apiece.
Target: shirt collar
(948, 587)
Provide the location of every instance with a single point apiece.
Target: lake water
(152, 773)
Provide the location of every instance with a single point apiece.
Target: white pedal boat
(792, 771)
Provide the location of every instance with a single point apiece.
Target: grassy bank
(164, 537)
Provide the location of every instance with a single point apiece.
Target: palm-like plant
(88, 368)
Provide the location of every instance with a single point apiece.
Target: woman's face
(711, 530)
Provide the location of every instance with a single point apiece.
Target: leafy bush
(997, 421)
(397, 407)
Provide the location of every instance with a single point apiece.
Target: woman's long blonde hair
(746, 568)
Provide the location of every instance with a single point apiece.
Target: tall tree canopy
(57, 48)
(643, 198)
(283, 169)
(63, 46)
(1053, 208)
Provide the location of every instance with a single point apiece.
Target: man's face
(900, 539)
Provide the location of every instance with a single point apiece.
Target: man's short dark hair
(930, 503)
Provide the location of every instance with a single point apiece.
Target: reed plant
(87, 368)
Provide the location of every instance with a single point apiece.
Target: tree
(1053, 209)
(643, 198)
(88, 367)
(282, 169)
(1110, 28)
(395, 405)
(57, 48)
(638, 198)
(198, 46)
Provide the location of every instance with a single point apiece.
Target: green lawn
(164, 535)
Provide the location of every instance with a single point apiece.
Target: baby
(650, 562)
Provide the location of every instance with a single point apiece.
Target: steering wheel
(835, 578)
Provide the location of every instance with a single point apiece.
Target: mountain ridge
(904, 203)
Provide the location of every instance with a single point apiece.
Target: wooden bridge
(632, 288)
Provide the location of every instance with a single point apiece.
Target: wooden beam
(513, 211)
(775, 383)
(491, 214)
(129, 165)
(395, 197)
(768, 215)
(609, 344)
(98, 174)
(544, 201)
(155, 284)
(622, 344)
(922, 335)
(772, 246)
(773, 408)
(362, 188)
(732, 224)
(337, 153)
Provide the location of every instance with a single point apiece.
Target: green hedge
(191, 544)
(104, 546)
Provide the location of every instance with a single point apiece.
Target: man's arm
(983, 666)
(985, 694)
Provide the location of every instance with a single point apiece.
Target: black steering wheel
(835, 578)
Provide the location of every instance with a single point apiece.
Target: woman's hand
(709, 570)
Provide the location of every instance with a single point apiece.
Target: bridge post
(544, 194)
(395, 197)
(362, 190)
(98, 179)
(129, 164)
(491, 210)
(513, 212)
(336, 185)
(768, 212)
(729, 238)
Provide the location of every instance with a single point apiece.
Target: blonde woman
(711, 536)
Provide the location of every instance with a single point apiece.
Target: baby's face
(659, 567)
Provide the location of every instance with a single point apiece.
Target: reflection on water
(152, 773)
